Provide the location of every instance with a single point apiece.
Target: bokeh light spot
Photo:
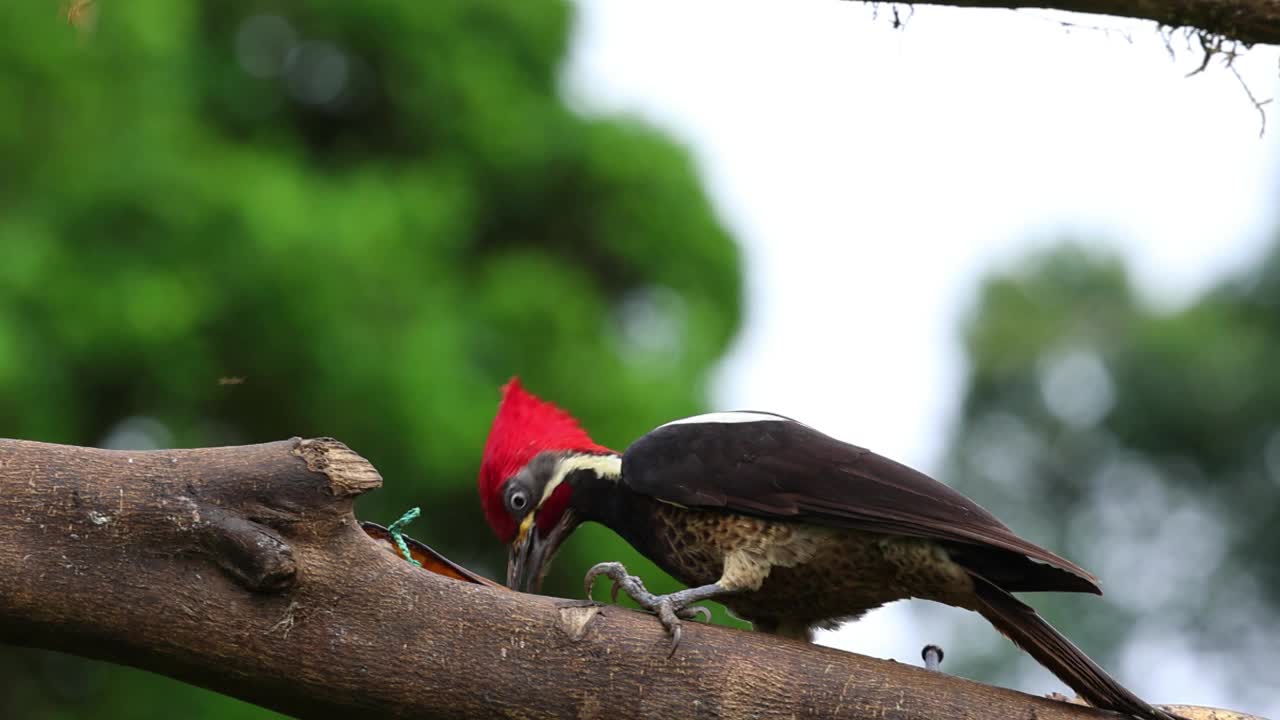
(1077, 388)
(263, 44)
(316, 73)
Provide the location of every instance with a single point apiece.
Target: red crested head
(524, 427)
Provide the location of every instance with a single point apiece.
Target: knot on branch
(254, 555)
(574, 620)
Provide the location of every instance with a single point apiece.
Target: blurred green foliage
(1144, 444)
(230, 222)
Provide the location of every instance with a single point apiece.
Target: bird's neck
(596, 480)
(600, 495)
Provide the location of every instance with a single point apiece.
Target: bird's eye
(518, 500)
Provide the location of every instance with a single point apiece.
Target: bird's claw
(694, 613)
(661, 605)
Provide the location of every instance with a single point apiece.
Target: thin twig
(1258, 105)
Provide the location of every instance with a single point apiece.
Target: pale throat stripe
(606, 466)
(735, 416)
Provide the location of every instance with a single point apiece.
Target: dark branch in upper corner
(1251, 22)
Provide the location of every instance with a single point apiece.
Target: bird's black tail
(1021, 624)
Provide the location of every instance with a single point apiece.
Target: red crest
(524, 426)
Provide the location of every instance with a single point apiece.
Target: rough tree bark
(243, 570)
(1247, 21)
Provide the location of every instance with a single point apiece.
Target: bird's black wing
(783, 469)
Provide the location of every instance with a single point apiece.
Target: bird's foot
(670, 609)
(932, 655)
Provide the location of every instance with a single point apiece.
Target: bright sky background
(873, 175)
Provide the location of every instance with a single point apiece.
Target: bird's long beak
(531, 552)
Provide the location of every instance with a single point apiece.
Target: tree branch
(243, 570)
(1247, 21)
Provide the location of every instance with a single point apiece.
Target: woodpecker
(789, 528)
